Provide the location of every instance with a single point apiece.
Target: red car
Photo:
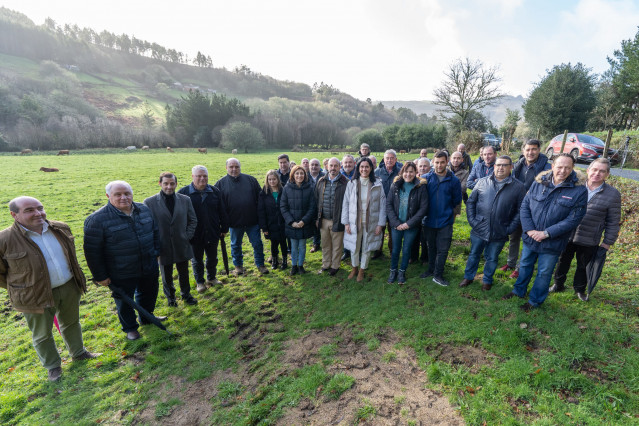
(581, 147)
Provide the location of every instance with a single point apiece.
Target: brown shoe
(361, 274)
(213, 282)
(353, 273)
(201, 288)
(55, 374)
(465, 282)
(238, 271)
(86, 355)
(510, 296)
(263, 269)
(486, 287)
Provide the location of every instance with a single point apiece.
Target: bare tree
(468, 87)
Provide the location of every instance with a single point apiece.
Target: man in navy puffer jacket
(121, 246)
(552, 208)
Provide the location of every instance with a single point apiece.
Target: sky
(378, 49)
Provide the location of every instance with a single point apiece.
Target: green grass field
(567, 363)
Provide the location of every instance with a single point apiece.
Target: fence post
(607, 145)
(563, 144)
(538, 133)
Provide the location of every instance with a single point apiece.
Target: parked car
(492, 140)
(581, 147)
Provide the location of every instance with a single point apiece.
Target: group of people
(344, 209)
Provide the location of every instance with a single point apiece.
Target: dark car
(581, 147)
(492, 140)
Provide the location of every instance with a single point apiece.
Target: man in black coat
(177, 222)
(493, 213)
(240, 194)
(121, 246)
(212, 224)
(314, 175)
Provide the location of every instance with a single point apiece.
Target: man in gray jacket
(493, 213)
(176, 220)
(603, 216)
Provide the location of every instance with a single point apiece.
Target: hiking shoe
(555, 288)
(515, 274)
(527, 307)
(213, 282)
(190, 300)
(201, 288)
(582, 296)
(263, 269)
(465, 282)
(486, 287)
(87, 355)
(55, 374)
(238, 271)
(426, 274)
(133, 335)
(510, 296)
(440, 281)
(506, 268)
(392, 276)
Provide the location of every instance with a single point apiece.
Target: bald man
(39, 269)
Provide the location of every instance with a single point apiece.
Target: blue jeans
(255, 238)
(298, 252)
(408, 236)
(491, 254)
(545, 266)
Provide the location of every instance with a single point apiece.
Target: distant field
(264, 349)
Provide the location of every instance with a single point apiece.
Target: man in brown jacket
(40, 271)
(603, 216)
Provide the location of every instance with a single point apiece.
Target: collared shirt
(591, 193)
(59, 270)
(334, 179)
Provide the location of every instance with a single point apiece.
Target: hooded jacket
(298, 203)
(418, 202)
(443, 197)
(557, 210)
(493, 213)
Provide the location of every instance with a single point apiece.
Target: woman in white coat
(363, 216)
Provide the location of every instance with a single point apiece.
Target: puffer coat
(602, 214)
(375, 214)
(298, 203)
(417, 202)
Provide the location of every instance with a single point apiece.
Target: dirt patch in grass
(389, 386)
(473, 357)
(591, 370)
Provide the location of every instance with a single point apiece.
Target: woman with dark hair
(364, 216)
(406, 206)
(299, 209)
(270, 217)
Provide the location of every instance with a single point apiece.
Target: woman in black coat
(298, 207)
(270, 217)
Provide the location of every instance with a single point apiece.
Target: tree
(624, 78)
(562, 100)
(372, 137)
(406, 115)
(468, 87)
(475, 120)
(241, 135)
(608, 109)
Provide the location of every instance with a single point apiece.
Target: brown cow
(145, 148)
(169, 149)
(63, 152)
(26, 151)
(47, 169)
(403, 151)
(202, 150)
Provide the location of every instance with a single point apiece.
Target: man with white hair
(240, 193)
(386, 172)
(314, 175)
(348, 166)
(40, 271)
(212, 224)
(121, 246)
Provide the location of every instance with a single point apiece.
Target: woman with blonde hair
(270, 217)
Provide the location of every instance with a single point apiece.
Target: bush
(471, 138)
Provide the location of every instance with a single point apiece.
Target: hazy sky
(385, 50)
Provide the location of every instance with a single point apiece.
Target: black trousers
(423, 241)
(276, 246)
(583, 254)
(439, 241)
(183, 278)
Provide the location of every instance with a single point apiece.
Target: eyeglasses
(503, 165)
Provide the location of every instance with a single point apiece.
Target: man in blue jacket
(482, 168)
(445, 197)
(121, 246)
(525, 170)
(386, 172)
(493, 213)
(552, 208)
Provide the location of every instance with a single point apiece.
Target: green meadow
(228, 357)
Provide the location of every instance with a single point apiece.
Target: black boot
(393, 276)
(294, 270)
(275, 263)
(284, 263)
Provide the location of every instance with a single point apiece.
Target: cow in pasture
(145, 148)
(403, 151)
(234, 151)
(130, 148)
(202, 150)
(169, 149)
(49, 169)
(26, 151)
(63, 152)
